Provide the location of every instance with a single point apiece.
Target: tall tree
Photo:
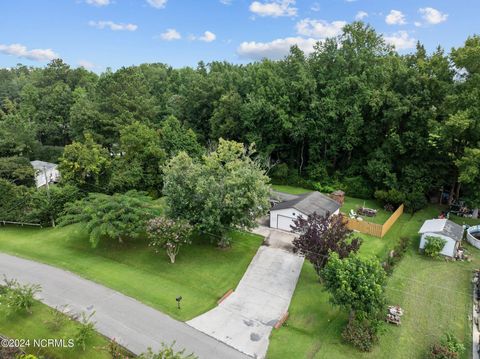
(223, 191)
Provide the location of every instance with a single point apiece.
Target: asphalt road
(133, 324)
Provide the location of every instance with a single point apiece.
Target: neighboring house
(445, 229)
(283, 213)
(45, 172)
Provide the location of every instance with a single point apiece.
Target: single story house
(445, 229)
(45, 172)
(282, 214)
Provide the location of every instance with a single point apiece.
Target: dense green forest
(354, 114)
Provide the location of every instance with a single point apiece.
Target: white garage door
(284, 222)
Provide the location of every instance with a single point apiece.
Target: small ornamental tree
(322, 235)
(119, 217)
(433, 246)
(168, 234)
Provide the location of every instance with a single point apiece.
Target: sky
(97, 34)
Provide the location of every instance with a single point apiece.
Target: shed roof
(444, 227)
(310, 202)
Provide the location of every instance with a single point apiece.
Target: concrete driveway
(245, 319)
(133, 324)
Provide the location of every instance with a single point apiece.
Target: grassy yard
(290, 189)
(435, 294)
(35, 326)
(201, 274)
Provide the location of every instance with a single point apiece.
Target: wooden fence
(374, 229)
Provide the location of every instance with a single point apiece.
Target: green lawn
(34, 326)
(201, 274)
(356, 203)
(435, 294)
(290, 189)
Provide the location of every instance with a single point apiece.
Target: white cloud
(98, 2)
(432, 16)
(417, 23)
(19, 50)
(157, 4)
(401, 40)
(86, 64)
(395, 17)
(207, 36)
(170, 35)
(319, 28)
(274, 8)
(361, 15)
(275, 49)
(226, 2)
(113, 25)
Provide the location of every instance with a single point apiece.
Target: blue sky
(112, 33)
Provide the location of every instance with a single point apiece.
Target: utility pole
(48, 192)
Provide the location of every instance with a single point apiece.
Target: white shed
(283, 213)
(45, 172)
(445, 229)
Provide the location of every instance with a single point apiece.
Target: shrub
(19, 297)
(392, 196)
(433, 246)
(357, 186)
(362, 334)
(396, 255)
(85, 330)
(166, 352)
(448, 348)
(57, 318)
(324, 188)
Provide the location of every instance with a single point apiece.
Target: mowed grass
(201, 274)
(23, 325)
(436, 297)
(290, 189)
(355, 203)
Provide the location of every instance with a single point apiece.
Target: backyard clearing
(436, 297)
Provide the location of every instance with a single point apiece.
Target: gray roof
(310, 202)
(42, 165)
(444, 227)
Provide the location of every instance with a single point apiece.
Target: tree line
(354, 114)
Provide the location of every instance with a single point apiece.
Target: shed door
(284, 222)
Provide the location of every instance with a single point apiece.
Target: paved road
(131, 323)
(245, 319)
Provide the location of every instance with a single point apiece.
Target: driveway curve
(134, 325)
(245, 319)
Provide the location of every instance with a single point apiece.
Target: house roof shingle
(310, 202)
